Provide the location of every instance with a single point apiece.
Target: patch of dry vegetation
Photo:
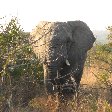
(92, 97)
(21, 78)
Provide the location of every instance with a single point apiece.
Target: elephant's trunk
(50, 78)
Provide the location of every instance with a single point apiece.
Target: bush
(20, 71)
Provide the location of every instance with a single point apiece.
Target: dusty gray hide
(62, 48)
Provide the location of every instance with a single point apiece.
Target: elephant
(62, 48)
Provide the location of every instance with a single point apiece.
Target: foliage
(104, 54)
(110, 35)
(101, 57)
(16, 52)
(21, 74)
(19, 67)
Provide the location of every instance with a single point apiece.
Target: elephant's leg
(66, 91)
(50, 86)
(78, 78)
(50, 76)
(80, 67)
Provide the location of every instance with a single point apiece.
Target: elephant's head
(62, 47)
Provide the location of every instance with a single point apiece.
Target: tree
(19, 68)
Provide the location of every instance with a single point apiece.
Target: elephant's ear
(82, 36)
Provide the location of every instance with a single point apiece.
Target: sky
(96, 13)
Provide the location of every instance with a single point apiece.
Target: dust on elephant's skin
(62, 48)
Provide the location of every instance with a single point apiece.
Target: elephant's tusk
(67, 62)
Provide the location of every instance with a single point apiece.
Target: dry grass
(92, 97)
(88, 76)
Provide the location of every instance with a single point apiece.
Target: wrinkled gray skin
(62, 48)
